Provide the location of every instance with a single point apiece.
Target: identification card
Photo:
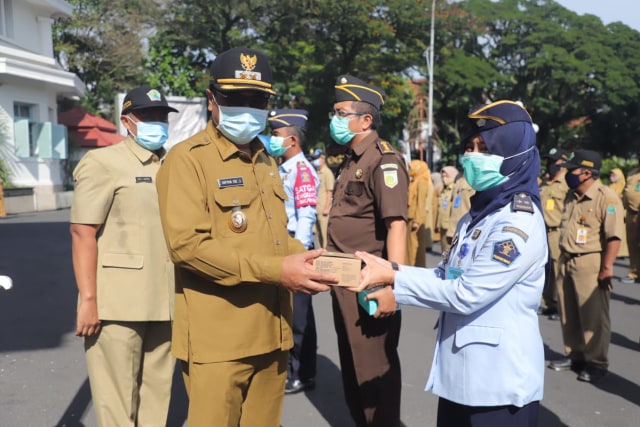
(551, 204)
(456, 202)
(581, 236)
(453, 272)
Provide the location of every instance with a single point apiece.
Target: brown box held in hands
(345, 267)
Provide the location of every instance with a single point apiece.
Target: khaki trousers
(130, 371)
(247, 392)
(322, 222)
(417, 246)
(633, 243)
(584, 309)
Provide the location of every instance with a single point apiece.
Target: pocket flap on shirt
(133, 261)
(475, 334)
(231, 197)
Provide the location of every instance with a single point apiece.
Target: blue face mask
(274, 144)
(241, 124)
(151, 135)
(339, 129)
(573, 181)
(482, 171)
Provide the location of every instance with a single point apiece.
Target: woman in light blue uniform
(488, 366)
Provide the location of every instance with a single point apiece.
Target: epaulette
(522, 203)
(385, 147)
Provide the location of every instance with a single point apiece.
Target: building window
(6, 18)
(25, 113)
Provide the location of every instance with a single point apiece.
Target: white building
(32, 144)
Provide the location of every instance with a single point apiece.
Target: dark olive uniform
(372, 186)
(588, 222)
(552, 195)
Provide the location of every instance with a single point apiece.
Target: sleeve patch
(505, 252)
(517, 231)
(391, 178)
(389, 166)
(611, 209)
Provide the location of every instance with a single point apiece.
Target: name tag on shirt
(231, 182)
(456, 202)
(581, 236)
(146, 179)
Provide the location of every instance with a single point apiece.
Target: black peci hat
(556, 154)
(145, 97)
(241, 68)
(349, 88)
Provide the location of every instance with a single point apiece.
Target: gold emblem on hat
(481, 122)
(343, 80)
(359, 173)
(248, 61)
(237, 220)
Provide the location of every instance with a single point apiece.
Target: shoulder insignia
(476, 234)
(385, 147)
(389, 166)
(611, 209)
(505, 252)
(522, 203)
(517, 231)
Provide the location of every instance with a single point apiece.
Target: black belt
(568, 255)
(552, 228)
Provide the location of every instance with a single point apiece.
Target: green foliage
(579, 79)
(622, 163)
(5, 174)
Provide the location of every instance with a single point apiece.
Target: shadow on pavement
(549, 419)
(74, 413)
(41, 307)
(625, 299)
(620, 386)
(328, 395)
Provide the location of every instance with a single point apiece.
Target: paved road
(43, 380)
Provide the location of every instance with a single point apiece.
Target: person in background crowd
(325, 195)
(631, 201)
(617, 184)
(222, 208)
(300, 182)
(488, 366)
(461, 193)
(123, 271)
(590, 232)
(445, 199)
(418, 225)
(369, 212)
(552, 194)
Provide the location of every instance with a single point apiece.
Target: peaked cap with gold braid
(349, 88)
(241, 68)
(488, 116)
(285, 118)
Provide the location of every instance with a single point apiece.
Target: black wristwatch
(395, 266)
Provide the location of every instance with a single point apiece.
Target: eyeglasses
(342, 113)
(242, 99)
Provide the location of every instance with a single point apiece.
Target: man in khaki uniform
(631, 201)
(445, 198)
(460, 205)
(325, 195)
(222, 208)
(591, 229)
(123, 270)
(552, 195)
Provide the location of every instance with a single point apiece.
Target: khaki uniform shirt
(460, 204)
(631, 193)
(115, 187)
(372, 186)
(552, 195)
(225, 224)
(589, 221)
(444, 206)
(327, 181)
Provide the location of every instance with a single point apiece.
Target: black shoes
(586, 373)
(591, 374)
(566, 364)
(296, 386)
(551, 313)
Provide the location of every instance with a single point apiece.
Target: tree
(103, 43)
